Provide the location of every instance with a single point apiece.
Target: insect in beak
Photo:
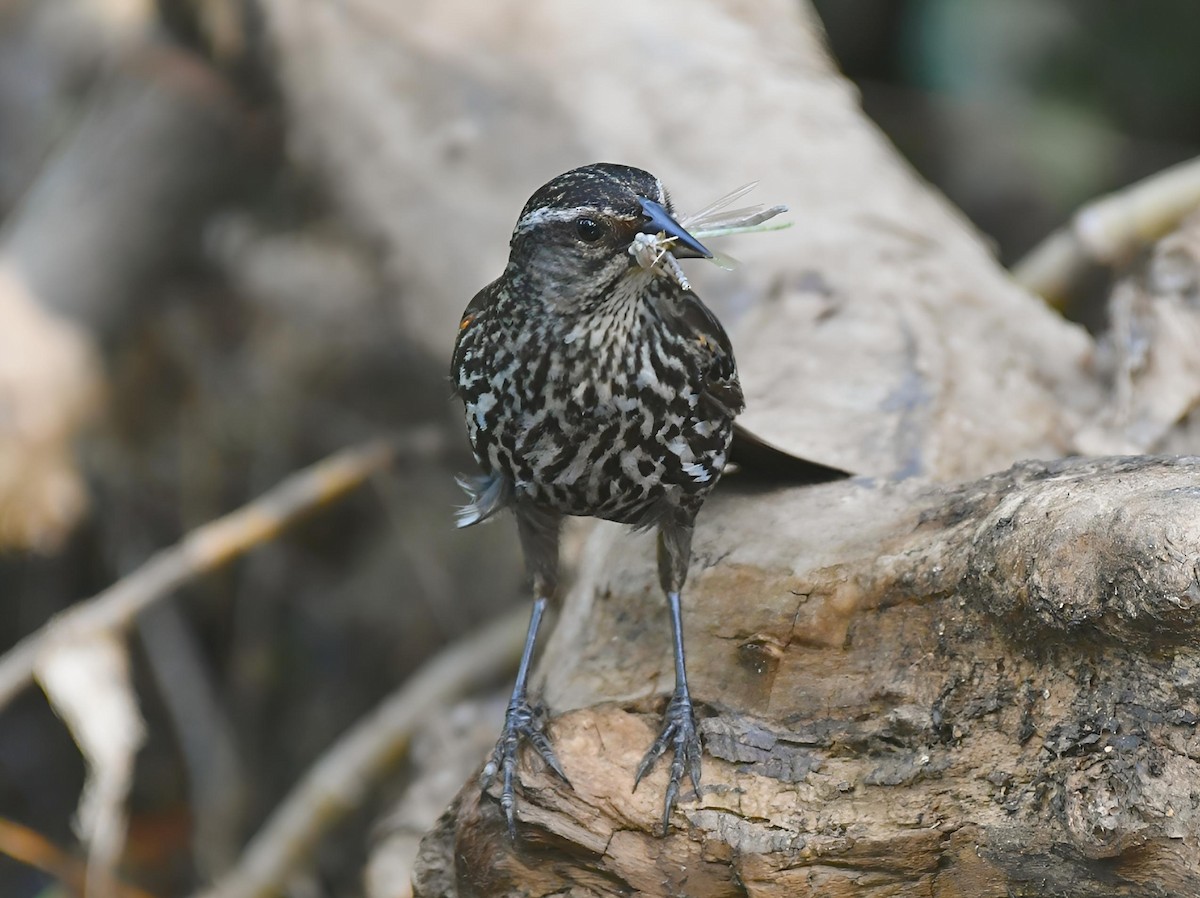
(662, 238)
(660, 223)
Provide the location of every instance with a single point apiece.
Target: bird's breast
(595, 416)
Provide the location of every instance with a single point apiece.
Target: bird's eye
(588, 229)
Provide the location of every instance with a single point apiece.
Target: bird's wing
(721, 387)
(467, 325)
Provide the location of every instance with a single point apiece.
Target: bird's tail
(488, 493)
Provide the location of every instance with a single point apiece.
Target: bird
(596, 383)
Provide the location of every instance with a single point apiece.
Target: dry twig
(208, 548)
(30, 847)
(338, 782)
(1108, 230)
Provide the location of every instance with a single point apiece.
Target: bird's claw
(678, 733)
(521, 720)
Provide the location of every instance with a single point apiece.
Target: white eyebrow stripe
(550, 213)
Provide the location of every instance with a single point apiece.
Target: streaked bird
(596, 383)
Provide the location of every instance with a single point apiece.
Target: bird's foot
(521, 721)
(680, 735)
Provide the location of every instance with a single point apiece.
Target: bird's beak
(659, 221)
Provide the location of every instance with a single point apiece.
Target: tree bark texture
(988, 690)
(916, 682)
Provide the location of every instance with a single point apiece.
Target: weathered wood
(991, 690)
(1148, 355)
(877, 335)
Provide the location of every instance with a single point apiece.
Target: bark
(1148, 354)
(987, 690)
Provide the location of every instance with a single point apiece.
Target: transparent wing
(717, 220)
(750, 225)
(709, 211)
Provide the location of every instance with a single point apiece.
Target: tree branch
(30, 847)
(1109, 230)
(209, 547)
(924, 690)
(338, 782)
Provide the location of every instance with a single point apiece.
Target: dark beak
(659, 221)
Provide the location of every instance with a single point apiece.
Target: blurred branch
(211, 546)
(160, 140)
(1107, 231)
(32, 848)
(89, 684)
(224, 26)
(338, 782)
(216, 778)
(159, 143)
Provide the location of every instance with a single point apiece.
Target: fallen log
(990, 690)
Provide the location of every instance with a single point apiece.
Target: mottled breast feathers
(722, 389)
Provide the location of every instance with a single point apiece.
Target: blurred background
(216, 324)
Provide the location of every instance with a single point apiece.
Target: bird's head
(585, 231)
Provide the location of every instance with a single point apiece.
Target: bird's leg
(539, 539)
(679, 731)
(520, 720)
